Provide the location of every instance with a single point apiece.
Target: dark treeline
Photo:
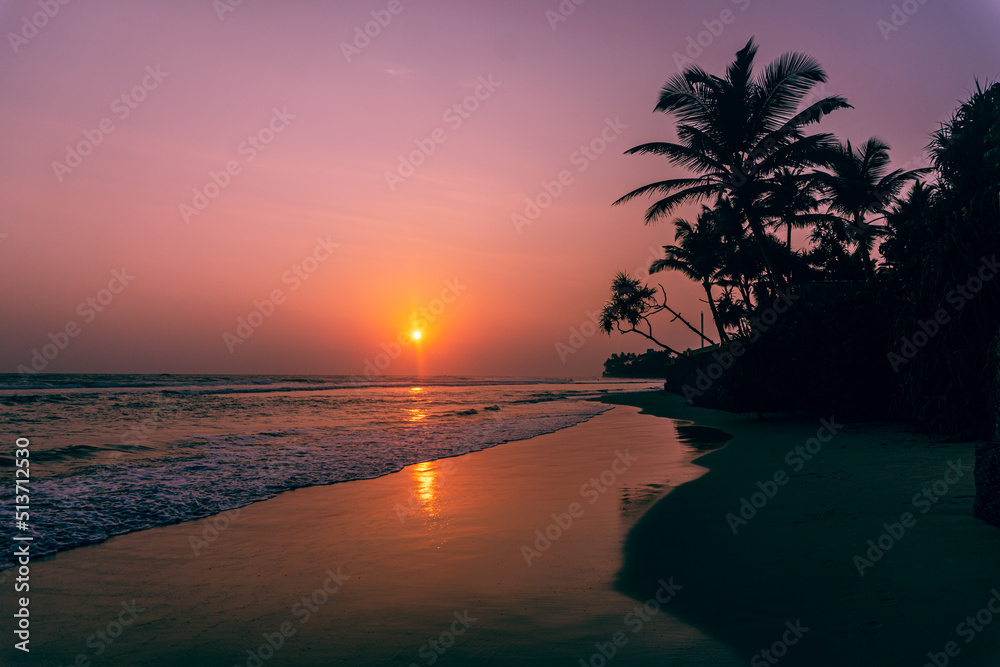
(888, 307)
(630, 365)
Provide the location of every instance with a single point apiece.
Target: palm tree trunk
(866, 252)
(868, 263)
(757, 229)
(723, 338)
(745, 291)
(789, 234)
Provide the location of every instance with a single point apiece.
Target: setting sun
(416, 335)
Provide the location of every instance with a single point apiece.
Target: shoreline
(374, 570)
(394, 559)
(803, 555)
(236, 506)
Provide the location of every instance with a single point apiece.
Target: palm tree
(907, 237)
(937, 238)
(957, 147)
(830, 254)
(733, 311)
(860, 185)
(792, 201)
(699, 252)
(743, 261)
(737, 132)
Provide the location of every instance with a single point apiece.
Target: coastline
(376, 571)
(754, 580)
(257, 447)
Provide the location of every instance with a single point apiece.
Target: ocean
(113, 454)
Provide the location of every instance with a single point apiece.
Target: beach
(919, 593)
(373, 571)
(441, 563)
(343, 333)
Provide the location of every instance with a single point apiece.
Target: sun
(416, 335)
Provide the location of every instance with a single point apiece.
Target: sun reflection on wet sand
(425, 477)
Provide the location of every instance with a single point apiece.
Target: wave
(16, 388)
(226, 471)
(73, 453)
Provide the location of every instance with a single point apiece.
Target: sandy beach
(431, 565)
(928, 583)
(341, 333)
(372, 572)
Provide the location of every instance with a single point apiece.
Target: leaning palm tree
(632, 304)
(860, 186)
(699, 252)
(737, 132)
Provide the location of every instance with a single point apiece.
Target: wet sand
(425, 566)
(924, 600)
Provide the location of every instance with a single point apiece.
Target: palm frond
(815, 112)
(783, 85)
(667, 186)
(666, 205)
(680, 155)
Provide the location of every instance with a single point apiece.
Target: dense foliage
(650, 364)
(912, 327)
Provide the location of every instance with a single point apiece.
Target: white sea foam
(137, 455)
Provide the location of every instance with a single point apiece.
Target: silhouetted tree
(859, 186)
(633, 303)
(737, 132)
(700, 253)
(792, 202)
(938, 240)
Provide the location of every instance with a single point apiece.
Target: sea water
(113, 454)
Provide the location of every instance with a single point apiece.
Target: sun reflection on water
(417, 413)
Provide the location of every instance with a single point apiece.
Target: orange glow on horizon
(317, 234)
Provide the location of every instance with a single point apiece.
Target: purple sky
(325, 132)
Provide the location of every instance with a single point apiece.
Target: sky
(199, 186)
